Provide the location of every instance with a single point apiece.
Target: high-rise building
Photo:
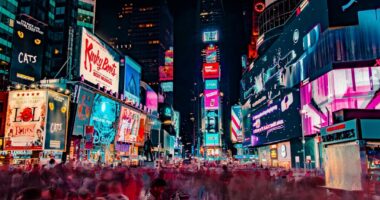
(86, 14)
(211, 13)
(8, 11)
(140, 28)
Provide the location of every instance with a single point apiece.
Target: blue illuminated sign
(211, 84)
(212, 139)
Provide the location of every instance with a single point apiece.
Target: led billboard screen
(166, 73)
(128, 125)
(56, 121)
(167, 86)
(169, 57)
(212, 139)
(26, 120)
(132, 80)
(83, 113)
(279, 120)
(210, 36)
(99, 63)
(105, 112)
(27, 51)
(212, 121)
(211, 99)
(151, 101)
(211, 54)
(210, 70)
(211, 84)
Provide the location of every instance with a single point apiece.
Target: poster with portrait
(56, 122)
(105, 113)
(128, 125)
(26, 120)
(82, 116)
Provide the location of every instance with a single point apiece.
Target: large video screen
(211, 70)
(129, 123)
(99, 63)
(212, 121)
(166, 73)
(132, 80)
(83, 113)
(212, 139)
(28, 49)
(211, 98)
(278, 121)
(105, 112)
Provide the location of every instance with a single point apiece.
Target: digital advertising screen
(83, 112)
(236, 124)
(99, 63)
(167, 86)
(211, 98)
(211, 70)
(166, 73)
(212, 121)
(141, 134)
(210, 36)
(211, 84)
(211, 54)
(105, 113)
(27, 51)
(26, 120)
(56, 121)
(278, 121)
(212, 139)
(132, 80)
(169, 57)
(151, 99)
(129, 123)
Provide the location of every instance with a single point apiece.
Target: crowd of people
(78, 181)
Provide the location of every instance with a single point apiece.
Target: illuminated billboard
(128, 125)
(99, 63)
(83, 113)
(211, 84)
(132, 80)
(167, 86)
(27, 50)
(169, 57)
(211, 54)
(211, 99)
(212, 121)
(212, 139)
(141, 134)
(210, 70)
(236, 124)
(210, 36)
(151, 101)
(56, 121)
(166, 73)
(26, 120)
(105, 112)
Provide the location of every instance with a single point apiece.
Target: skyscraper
(8, 10)
(86, 14)
(141, 29)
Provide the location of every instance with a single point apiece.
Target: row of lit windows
(154, 42)
(149, 25)
(146, 9)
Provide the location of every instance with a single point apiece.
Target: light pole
(303, 113)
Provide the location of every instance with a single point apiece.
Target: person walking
(148, 145)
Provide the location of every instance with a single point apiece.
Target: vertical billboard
(99, 63)
(141, 134)
(105, 113)
(83, 113)
(56, 122)
(211, 99)
(236, 124)
(169, 57)
(128, 125)
(132, 80)
(210, 70)
(212, 121)
(28, 49)
(166, 73)
(211, 54)
(151, 101)
(26, 120)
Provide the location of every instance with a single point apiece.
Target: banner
(166, 73)
(26, 120)
(211, 54)
(56, 123)
(83, 113)
(99, 63)
(236, 124)
(132, 80)
(28, 48)
(141, 135)
(128, 126)
(211, 84)
(105, 113)
(212, 139)
(212, 121)
(89, 137)
(211, 99)
(210, 70)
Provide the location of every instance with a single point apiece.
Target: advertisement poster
(212, 121)
(211, 84)
(166, 73)
(89, 137)
(141, 135)
(167, 86)
(211, 54)
(151, 99)
(28, 49)
(132, 80)
(3, 112)
(99, 63)
(105, 113)
(211, 99)
(128, 125)
(26, 120)
(210, 36)
(212, 139)
(210, 70)
(56, 122)
(82, 117)
(278, 121)
(169, 57)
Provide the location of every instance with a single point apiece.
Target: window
(60, 10)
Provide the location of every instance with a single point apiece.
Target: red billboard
(166, 73)
(210, 70)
